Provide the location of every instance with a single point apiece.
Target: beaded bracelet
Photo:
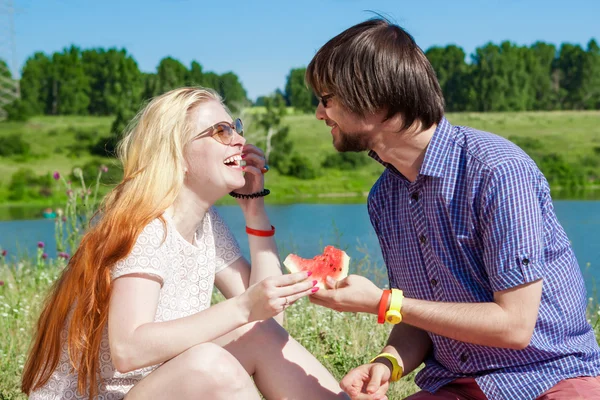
(262, 193)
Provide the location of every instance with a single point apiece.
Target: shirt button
(415, 196)
(464, 357)
(433, 282)
(525, 261)
(423, 239)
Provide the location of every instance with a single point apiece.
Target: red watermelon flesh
(333, 262)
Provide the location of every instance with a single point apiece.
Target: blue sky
(262, 40)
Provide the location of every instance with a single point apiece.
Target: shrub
(345, 160)
(13, 145)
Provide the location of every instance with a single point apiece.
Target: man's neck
(404, 150)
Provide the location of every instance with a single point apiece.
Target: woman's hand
(272, 295)
(255, 162)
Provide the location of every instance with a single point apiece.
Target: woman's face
(210, 163)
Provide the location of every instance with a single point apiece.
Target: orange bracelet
(383, 306)
(257, 232)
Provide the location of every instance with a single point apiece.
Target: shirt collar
(435, 155)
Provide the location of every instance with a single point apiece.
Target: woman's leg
(205, 371)
(281, 367)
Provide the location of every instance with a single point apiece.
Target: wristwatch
(393, 315)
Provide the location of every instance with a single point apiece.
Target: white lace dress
(188, 273)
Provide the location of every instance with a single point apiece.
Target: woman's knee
(208, 364)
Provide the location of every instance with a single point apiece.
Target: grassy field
(340, 341)
(56, 146)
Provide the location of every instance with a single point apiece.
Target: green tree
(297, 93)
(232, 91)
(115, 80)
(590, 90)
(195, 76)
(171, 74)
(570, 76)
(453, 74)
(35, 83)
(69, 85)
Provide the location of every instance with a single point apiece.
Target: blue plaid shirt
(479, 219)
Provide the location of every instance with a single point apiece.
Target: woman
(131, 315)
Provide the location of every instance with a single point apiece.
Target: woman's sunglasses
(223, 131)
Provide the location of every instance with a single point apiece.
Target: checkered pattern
(479, 219)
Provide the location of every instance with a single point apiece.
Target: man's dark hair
(377, 66)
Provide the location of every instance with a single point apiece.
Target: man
(493, 301)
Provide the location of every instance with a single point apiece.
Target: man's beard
(356, 141)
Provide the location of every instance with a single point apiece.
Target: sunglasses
(223, 131)
(324, 99)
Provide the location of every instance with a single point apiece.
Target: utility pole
(9, 81)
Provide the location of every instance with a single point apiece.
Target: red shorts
(583, 388)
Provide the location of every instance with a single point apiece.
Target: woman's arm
(137, 341)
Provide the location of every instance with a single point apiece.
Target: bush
(26, 184)
(18, 110)
(345, 160)
(110, 176)
(297, 166)
(13, 145)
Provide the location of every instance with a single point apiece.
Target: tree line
(504, 77)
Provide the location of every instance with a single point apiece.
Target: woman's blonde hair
(152, 154)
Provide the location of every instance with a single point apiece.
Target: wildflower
(104, 168)
(56, 175)
(63, 255)
(45, 256)
(77, 172)
(4, 253)
(69, 192)
(40, 245)
(1, 283)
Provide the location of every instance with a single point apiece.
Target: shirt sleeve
(148, 255)
(227, 249)
(512, 224)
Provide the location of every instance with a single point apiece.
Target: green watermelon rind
(296, 263)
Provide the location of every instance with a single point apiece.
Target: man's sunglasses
(223, 131)
(324, 99)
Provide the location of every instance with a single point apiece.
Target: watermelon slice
(333, 262)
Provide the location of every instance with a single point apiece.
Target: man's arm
(507, 322)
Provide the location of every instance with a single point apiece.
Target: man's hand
(367, 382)
(354, 293)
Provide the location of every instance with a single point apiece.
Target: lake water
(306, 228)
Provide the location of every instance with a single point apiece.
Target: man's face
(350, 132)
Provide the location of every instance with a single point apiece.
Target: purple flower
(1, 283)
(40, 245)
(69, 192)
(64, 219)
(4, 253)
(44, 256)
(103, 168)
(56, 175)
(63, 255)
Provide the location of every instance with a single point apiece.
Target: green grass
(573, 135)
(340, 341)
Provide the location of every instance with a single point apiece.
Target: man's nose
(320, 113)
